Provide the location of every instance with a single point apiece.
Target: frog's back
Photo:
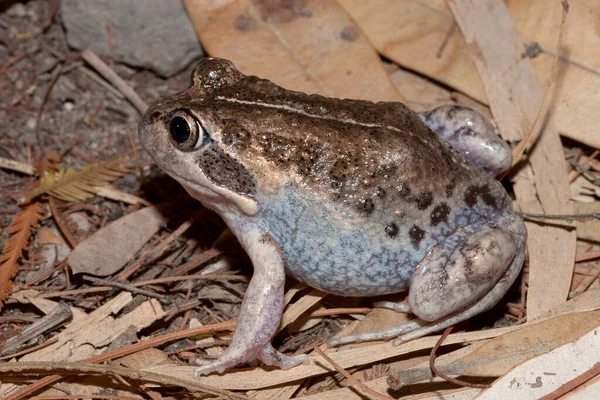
(362, 193)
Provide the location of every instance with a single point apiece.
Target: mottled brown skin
(364, 169)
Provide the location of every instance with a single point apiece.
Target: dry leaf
(20, 230)
(45, 236)
(71, 185)
(499, 355)
(124, 237)
(422, 36)
(311, 46)
(541, 375)
(145, 358)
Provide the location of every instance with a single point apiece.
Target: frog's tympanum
(348, 196)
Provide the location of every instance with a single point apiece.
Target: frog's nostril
(179, 128)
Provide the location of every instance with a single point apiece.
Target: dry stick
(99, 289)
(339, 311)
(84, 396)
(31, 349)
(131, 288)
(55, 75)
(441, 374)
(194, 262)
(60, 222)
(11, 61)
(157, 250)
(565, 217)
(198, 277)
(359, 385)
(122, 352)
(583, 165)
(114, 79)
(520, 149)
(573, 383)
(587, 257)
(58, 316)
(60, 265)
(64, 293)
(71, 368)
(15, 165)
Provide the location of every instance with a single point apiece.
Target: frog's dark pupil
(179, 129)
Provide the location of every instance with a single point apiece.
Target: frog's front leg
(472, 135)
(260, 312)
(464, 275)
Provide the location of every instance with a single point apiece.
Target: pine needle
(71, 185)
(20, 230)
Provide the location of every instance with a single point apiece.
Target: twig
(125, 286)
(441, 374)
(11, 61)
(587, 257)
(17, 166)
(84, 396)
(359, 384)
(583, 165)
(30, 349)
(59, 315)
(207, 277)
(565, 217)
(194, 262)
(71, 368)
(60, 265)
(124, 351)
(55, 75)
(114, 79)
(60, 220)
(158, 249)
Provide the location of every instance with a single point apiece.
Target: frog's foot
(470, 134)
(230, 359)
(270, 356)
(463, 276)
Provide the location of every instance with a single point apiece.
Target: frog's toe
(384, 334)
(270, 356)
(208, 367)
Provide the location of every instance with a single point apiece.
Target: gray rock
(154, 34)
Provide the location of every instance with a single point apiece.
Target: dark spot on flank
(450, 189)
(451, 112)
(349, 34)
(440, 214)
(423, 200)
(245, 23)
(380, 192)
(403, 190)
(475, 192)
(465, 131)
(365, 206)
(416, 236)
(391, 230)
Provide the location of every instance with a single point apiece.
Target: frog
(351, 197)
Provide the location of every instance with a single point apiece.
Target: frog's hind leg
(470, 134)
(466, 274)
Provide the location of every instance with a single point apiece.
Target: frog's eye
(186, 132)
